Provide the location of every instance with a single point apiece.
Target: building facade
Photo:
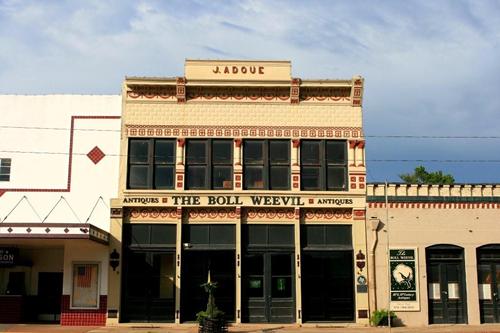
(58, 171)
(444, 246)
(115, 209)
(242, 172)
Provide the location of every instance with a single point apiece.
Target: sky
(431, 68)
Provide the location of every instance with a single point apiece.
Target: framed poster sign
(403, 264)
(85, 286)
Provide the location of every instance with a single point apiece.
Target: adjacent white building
(59, 163)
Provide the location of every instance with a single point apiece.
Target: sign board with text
(403, 264)
(242, 201)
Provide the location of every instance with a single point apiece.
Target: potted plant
(381, 317)
(212, 319)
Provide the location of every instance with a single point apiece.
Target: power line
(367, 160)
(58, 128)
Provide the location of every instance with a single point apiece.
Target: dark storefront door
(148, 278)
(446, 287)
(489, 283)
(149, 288)
(268, 287)
(208, 247)
(327, 286)
(49, 296)
(195, 267)
(327, 273)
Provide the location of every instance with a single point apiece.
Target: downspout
(372, 293)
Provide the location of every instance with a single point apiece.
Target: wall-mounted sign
(361, 286)
(8, 256)
(403, 265)
(238, 70)
(242, 200)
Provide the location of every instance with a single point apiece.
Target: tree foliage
(422, 176)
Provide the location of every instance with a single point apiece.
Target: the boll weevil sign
(403, 265)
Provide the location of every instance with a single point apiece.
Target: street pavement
(188, 328)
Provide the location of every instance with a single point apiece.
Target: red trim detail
(70, 160)
(83, 317)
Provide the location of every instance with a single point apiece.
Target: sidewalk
(269, 328)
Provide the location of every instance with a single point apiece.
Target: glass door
(489, 291)
(446, 293)
(268, 288)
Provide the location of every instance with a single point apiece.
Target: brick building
(242, 171)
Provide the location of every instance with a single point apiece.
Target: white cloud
(430, 67)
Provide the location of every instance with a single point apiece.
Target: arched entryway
(446, 284)
(488, 276)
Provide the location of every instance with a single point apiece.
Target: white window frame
(98, 291)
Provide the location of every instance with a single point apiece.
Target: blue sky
(431, 68)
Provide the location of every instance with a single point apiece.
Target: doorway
(268, 274)
(149, 288)
(49, 296)
(195, 268)
(208, 247)
(148, 279)
(488, 269)
(269, 287)
(327, 273)
(446, 285)
(327, 286)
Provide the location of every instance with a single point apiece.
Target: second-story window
(209, 164)
(323, 165)
(266, 164)
(151, 164)
(5, 169)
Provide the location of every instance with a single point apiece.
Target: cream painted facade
(241, 101)
(463, 218)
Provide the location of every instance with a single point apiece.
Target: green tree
(422, 176)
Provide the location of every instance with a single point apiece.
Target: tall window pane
(196, 177)
(279, 152)
(253, 151)
(335, 152)
(196, 151)
(138, 176)
(139, 151)
(311, 178)
(164, 176)
(164, 151)
(254, 177)
(222, 177)
(309, 152)
(336, 178)
(279, 178)
(222, 152)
